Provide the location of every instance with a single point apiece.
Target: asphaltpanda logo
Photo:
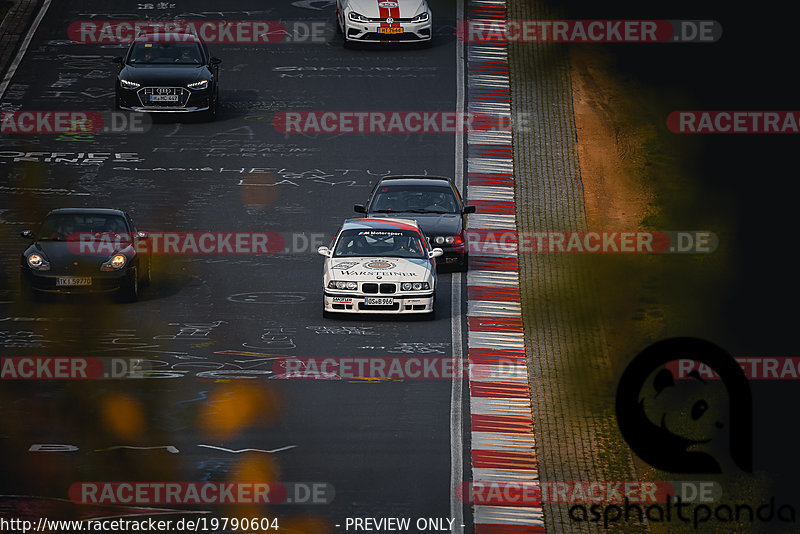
(687, 424)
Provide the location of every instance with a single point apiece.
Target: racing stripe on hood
(388, 8)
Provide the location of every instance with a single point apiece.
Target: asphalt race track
(205, 334)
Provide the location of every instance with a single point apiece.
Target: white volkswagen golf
(379, 266)
(379, 21)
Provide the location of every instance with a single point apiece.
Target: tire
(148, 276)
(463, 265)
(211, 114)
(130, 291)
(27, 294)
(338, 26)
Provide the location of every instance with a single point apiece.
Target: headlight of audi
(422, 17)
(127, 84)
(36, 261)
(202, 84)
(414, 286)
(357, 17)
(116, 263)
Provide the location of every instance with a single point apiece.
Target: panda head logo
(686, 424)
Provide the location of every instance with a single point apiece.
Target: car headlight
(439, 240)
(36, 261)
(202, 84)
(414, 286)
(342, 285)
(127, 84)
(116, 263)
(422, 17)
(357, 17)
(450, 240)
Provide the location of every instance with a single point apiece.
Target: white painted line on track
(456, 385)
(23, 48)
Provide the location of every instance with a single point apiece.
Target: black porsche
(168, 73)
(434, 202)
(86, 250)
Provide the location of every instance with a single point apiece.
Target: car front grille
(167, 97)
(373, 288)
(374, 36)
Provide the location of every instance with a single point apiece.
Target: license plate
(163, 98)
(379, 301)
(74, 281)
(390, 30)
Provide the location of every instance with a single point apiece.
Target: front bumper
(368, 32)
(355, 302)
(189, 101)
(102, 282)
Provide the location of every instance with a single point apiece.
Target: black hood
(432, 224)
(165, 75)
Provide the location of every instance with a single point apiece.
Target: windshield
(380, 243)
(165, 54)
(60, 227)
(414, 199)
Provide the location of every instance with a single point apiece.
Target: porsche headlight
(127, 84)
(202, 84)
(414, 286)
(422, 17)
(116, 263)
(36, 261)
(357, 17)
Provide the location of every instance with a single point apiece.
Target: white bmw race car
(380, 266)
(379, 21)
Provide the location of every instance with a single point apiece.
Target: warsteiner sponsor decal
(380, 265)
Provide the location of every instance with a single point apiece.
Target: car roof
(382, 223)
(87, 211)
(415, 180)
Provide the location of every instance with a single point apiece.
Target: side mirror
(117, 60)
(469, 209)
(27, 234)
(435, 253)
(324, 251)
(360, 208)
(215, 60)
